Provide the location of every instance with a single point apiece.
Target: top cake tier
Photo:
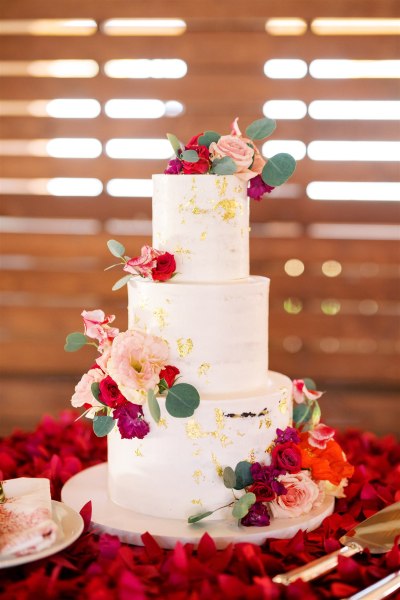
(204, 221)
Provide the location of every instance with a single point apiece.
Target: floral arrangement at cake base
(305, 464)
(132, 369)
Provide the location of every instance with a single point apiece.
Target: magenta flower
(258, 188)
(130, 421)
(257, 516)
(174, 167)
(290, 434)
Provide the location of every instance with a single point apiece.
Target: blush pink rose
(97, 327)
(258, 161)
(301, 393)
(320, 436)
(143, 264)
(135, 363)
(237, 149)
(301, 496)
(83, 392)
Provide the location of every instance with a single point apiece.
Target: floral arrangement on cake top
(132, 369)
(151, 264)
(305, 464)
(233, 154)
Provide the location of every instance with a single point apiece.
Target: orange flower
(327, 464)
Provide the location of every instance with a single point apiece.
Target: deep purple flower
(131, 423)
(278, 487)
(257, 188)
(174, 167)
(257, 516)
(290, 434)
(265, 474)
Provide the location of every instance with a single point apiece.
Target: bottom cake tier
(176, 470)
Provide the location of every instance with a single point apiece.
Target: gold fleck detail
(181, 207)
(203, 235)
(228, 208)
(238, 189)
(198, 501)
(194, 430)
(283, 405)
(136, 320)
(162, 423)
(196, 452)
(225, 441)
(203, 369)
(218, 467)
(240, 434)
(185, 346)
(161, 317)
(138, 451)
(269, 449)
(252, 456)
(180, 250)
(200, 211)
(198, 476)
(221, 185)
(219, 418)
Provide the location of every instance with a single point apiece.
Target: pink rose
(301, 393)
(83, 392)
(237, 149)
(258, 162)
(135, 363)
(320, 436)
(97, 326)
(301, 496)
(143, 264)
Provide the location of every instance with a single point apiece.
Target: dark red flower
(165, 267)
(169, 373)
(287, 456)
(110, 394)
(202, 165)
(194, 141)
(257, 516)
(262, 490)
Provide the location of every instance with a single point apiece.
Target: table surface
(102, 567)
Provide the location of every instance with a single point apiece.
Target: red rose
(169, 373)
(262, 490)
(194, 141)
(110, 394)
(202, 165)
(165, 267)
(287, 456)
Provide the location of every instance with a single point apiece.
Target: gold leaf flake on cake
(162, 423)
(198, 476)
(136, 320)
(183, 251)
(197, 501)
(219, 418)
(196, 210)
(138, 451)
(185, 346)
(217, 465)
(203, 235)
(252, 456)
(203, 369)
(194, 430)
(161, 317)
(269, 449)
(196, 452)
(238, 189)
(225, 441)
(239, 433)
(227, 208)
(221, 184)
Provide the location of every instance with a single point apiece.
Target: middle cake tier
(217, 332)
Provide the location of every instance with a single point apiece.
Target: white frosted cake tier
(204, 221)
(176, 470)
(217, 332)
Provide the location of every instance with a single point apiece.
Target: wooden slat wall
(48, 278)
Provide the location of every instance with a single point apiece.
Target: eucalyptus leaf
(242, 505)
(154, 407)
(278, 169)
(208, 138)
(243, 475)
(95, 388)
(121, 282)
(223, 166)
(116, 248)
(182, 400)
(316, 414)
(190, 156)
(75, 341)
(196, 518)
(260, 129)
(103, 425)
(301, 413)
(310, 383)
(229, 477)
(175, 143)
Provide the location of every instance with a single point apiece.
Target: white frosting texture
(176, 470)
(204, 221)
(217, 332)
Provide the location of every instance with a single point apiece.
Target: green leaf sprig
(181, 401)
(118, 250)
(307, 415)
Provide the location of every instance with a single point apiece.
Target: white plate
(70, 527)
(128, 525)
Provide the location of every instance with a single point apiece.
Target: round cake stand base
(107, 517)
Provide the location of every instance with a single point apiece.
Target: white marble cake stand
(91, 484)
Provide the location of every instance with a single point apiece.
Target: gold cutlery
(2, 494)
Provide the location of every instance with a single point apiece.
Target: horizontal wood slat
(103, 128)
(199, 48)
(300, 210)
(183, 9)
(105, 168)
(200, 90)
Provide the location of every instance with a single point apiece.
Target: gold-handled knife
(376, 533)
(2, 494)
